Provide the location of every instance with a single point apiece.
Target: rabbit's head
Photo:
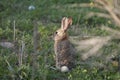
(61, 33)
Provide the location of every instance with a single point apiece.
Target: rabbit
(64, 51)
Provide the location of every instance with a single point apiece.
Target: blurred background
(26, 39)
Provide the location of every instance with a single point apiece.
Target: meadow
(28, 36)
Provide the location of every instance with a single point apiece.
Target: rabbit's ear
(70, 21)
(65, 23)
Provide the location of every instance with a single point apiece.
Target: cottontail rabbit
(64, 52)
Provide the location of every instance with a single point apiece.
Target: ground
(23, 60)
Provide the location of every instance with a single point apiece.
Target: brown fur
(64, 52)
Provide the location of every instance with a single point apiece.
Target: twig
(21, 52)
(115, 34)
(110, 10)
(35, 46)
(91, 14)
(14, 23)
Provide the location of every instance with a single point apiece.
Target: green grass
(48, 14)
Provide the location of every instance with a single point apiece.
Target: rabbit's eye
(56, 32)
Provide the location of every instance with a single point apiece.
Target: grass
(47, 14)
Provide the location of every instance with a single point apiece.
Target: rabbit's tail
(64, 69)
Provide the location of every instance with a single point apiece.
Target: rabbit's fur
(64, 52)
